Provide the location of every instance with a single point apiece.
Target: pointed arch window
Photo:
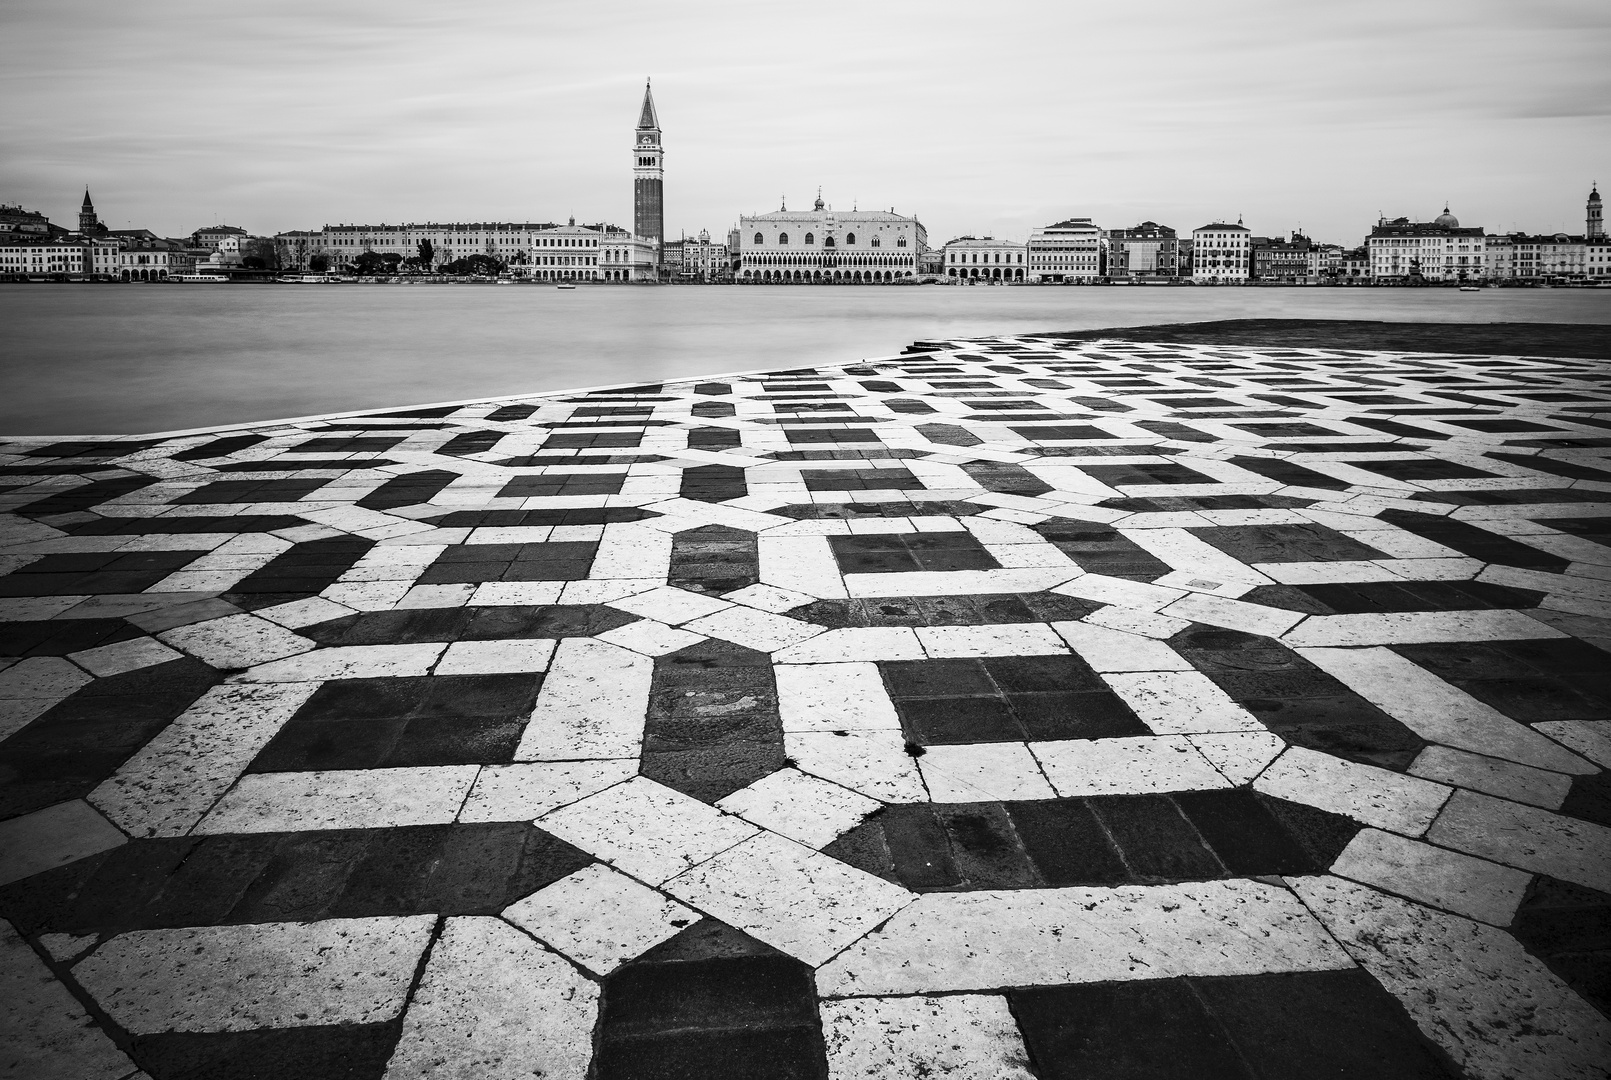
(758, 239)
(875, 242)
(827, 241)
(850, 238)
(900, 242)
(783, 239)
(809, 239)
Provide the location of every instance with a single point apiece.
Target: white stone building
(1436, 250)
(1221, 253)
(984, 258)
(624, 257)
(1069, 251)
(820, 245)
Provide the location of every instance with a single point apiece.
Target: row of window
(827, 241)
(963, 257)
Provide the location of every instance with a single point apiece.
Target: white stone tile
(852, 643)
(646, 829)
(591, 705)
(172, 781)
(1132, 621)
(799, 806)
(496, 1005)
(52, 837)
(36, 608)
(300, 613)
(1006, 639)
(348, 662)
(1239, 755)
(517, 534)
(604, 592)
(833, 697)
(45, 1034)
(506, 656)
(516, 593)
(1180, 702)
(237, 641)
(630, 550)
(982, 772)
(800, 564)
(1234, 614)
(1470, 988)
(1114, 650)
(1387, 800)
(797, 900)
(957, 582)
(437, 596)
(1049, 937)
(346, 799)
(1492, 776)
(1318, 573)
(1475, 888)
(874, 763)
(264, 975)
(1414, 627)
(1120, 592)
(33, 685)
(1184, 551)
(917, 1038)
(1133, 766)
(1526, 837)
(525, 791)
(670, 605)
(1591, 738)
(1437, 711)
(768, 598)
(650, 638)
(599, 917)
(124, 656)
(754, 629)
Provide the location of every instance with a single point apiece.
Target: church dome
(1446, 220)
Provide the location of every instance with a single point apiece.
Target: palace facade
(822, 245)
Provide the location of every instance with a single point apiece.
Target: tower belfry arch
(648, 177)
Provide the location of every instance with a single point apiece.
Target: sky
(986, 118)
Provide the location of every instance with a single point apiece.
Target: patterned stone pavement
(1008, 708)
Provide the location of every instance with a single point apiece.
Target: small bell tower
(1594, 224)
(87, 221)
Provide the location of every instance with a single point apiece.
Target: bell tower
(648, 177)
(87, 221)
(1594, 225)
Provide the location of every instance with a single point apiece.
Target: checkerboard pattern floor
(1007, 708)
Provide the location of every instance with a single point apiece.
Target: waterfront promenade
(1015, 707)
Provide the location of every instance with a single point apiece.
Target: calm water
(126, 359)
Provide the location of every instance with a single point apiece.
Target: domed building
(1417, 252)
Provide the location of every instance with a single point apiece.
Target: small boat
(1470, 288)
(564, 286)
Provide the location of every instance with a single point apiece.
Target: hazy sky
(985, 116)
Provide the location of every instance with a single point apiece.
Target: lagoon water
(117, 359)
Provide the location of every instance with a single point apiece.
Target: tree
(392, 261)
(474, 265)
(427, 254)
(370, 262)
(319, 264)
(263, 250)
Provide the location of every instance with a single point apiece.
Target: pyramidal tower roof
(87, 204)
(648, 119)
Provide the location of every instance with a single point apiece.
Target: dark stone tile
(712, 726)
(1243, 834)
(1066, 842)
(1147, 1030)
(1022, 674)
(1320, 833)
(935, 678)
(1155, 839)
(713, 483)
(714, 559)
(1094, 714)
(918, 846)
(1286, 543)
(1321, 1023)
(327, 1052)
(1006, 478)
(1589, 799)
(307, 568)
(1477, 543)
(306, 876)
(985, 848)
(933, 721)
(709, 1007)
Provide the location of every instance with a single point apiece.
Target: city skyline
(179, 115)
